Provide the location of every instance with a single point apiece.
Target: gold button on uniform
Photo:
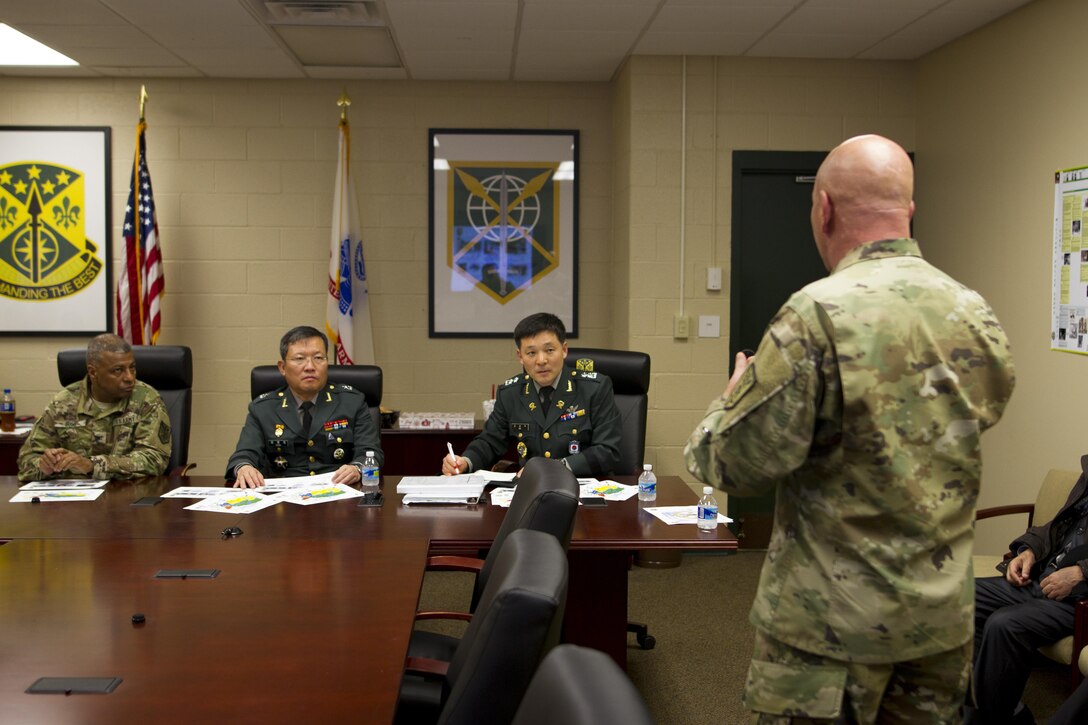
(313, 473)
(310, 444)
(311, 459)
(547, 454)
(547, 436)
(574, 431)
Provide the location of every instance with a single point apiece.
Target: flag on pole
(140, 283)
(347, 312)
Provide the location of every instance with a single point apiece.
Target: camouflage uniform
(863, 410)
(582, 425)
(272, 439)
(127, 439)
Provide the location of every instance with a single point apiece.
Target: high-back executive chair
(515, 625)
(630, 375)
(581, 686)
(166, 368)
(367, 379)
(545, 499)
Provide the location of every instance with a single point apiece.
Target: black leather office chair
(168, 369)
(581, 686)
(630, 375)
(367, 379)
(546, 499)
(516, 624)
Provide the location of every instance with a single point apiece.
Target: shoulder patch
(587, 375)
(263, 396)
(512, 381)
(345, 388)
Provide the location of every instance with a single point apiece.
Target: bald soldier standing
(862, 410)
(108, 425)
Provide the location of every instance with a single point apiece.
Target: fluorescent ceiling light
(19, 49)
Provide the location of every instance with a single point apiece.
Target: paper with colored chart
(88, 494)
(236, 501)
(672, 515)
(314, 493)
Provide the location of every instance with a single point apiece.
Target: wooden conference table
(309, 616)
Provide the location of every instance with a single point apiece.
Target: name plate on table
(437, 421)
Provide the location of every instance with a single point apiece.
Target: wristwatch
(359, 468)
(98, 463)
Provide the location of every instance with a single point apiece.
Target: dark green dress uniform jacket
(273, 441)
(582, 424)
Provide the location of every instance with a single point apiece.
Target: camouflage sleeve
(763, 430)
(149, 453)
(42, 436)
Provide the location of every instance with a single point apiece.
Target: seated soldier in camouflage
(108, 425)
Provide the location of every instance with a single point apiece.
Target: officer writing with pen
(548, 410)
(308, 426)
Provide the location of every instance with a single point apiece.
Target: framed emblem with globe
(504, 229)
(54, 230)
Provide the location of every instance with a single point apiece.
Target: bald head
(864, 192)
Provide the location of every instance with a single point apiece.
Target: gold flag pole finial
(344, 101)
(143, 101)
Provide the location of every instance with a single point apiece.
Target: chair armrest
(439, 614)
(181, 470)
(454, 563)
(1015, 508)
(425, 667)
(504, 466)
(1080, 639)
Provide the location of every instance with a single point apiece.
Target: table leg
(596, 614)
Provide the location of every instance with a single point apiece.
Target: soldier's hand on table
(348, 474)
(740, 364)
(58, 460)
(1019, 572)
(1060, 584)
(449, 468)
(248, 477)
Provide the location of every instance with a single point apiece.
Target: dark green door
(773, 257)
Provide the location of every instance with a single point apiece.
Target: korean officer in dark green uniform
(549, 410)
(276, 440)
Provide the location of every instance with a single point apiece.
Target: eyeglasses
(300, 360)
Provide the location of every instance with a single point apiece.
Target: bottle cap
(7, 391)
(647, 467)
(707, 490)
(370, 453)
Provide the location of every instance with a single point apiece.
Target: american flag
(140, 284)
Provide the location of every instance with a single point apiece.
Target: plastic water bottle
(708, 510)
(647, 484)
(7, 411)
(371, 474)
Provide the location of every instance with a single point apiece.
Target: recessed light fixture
(19, 49)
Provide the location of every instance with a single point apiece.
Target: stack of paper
(441, 489)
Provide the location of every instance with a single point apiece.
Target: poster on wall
(54, 230)
(503, 229)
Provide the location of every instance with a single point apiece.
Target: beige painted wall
(243, 175)
(998, 113)
(732, 104)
